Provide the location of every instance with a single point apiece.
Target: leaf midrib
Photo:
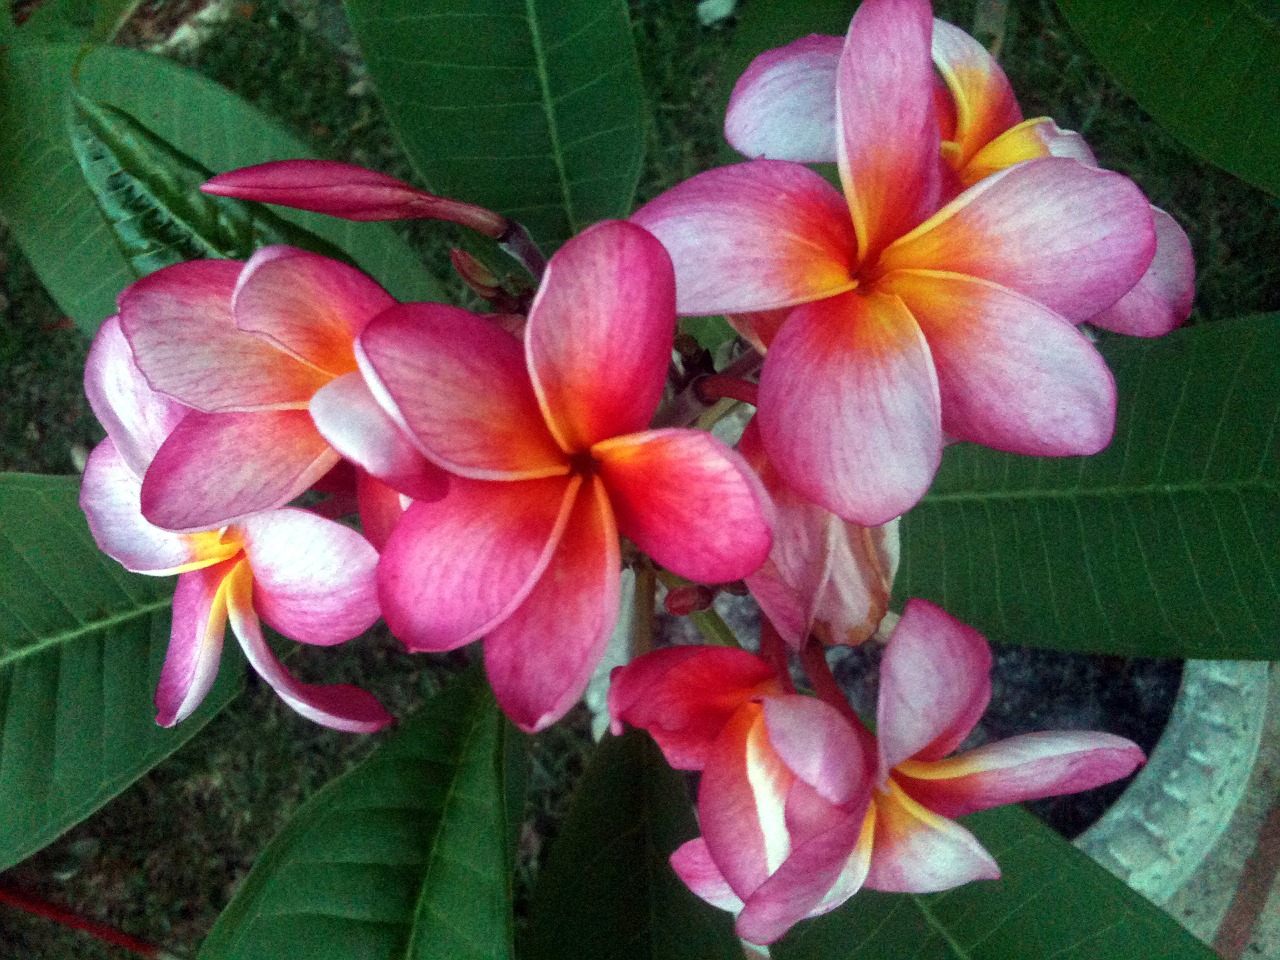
(67, 636)
(1112, 491)
(548, 107)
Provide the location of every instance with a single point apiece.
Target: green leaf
(533, 108)
(1162, 545)
(149, 193)
(607, 888)
(81, 644)
(1206, 71)
(53, 214)
(1052, 902)
(408, 856)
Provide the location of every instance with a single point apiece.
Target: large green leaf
(608, 892)
(408, 856)
(1053, 903)
(149, 193)
(81, 644)
(44, 198)
(1205, 70)
(1164, 544)
(533, 108)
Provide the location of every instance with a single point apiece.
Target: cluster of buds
(495, 460)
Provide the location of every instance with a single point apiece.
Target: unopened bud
(475, 274)
(682, 601)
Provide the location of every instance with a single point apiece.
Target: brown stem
(688, 406)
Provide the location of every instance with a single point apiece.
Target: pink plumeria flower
(904, 319)
(263, 352)
(551, 460)
(801, 806)
(311, 579)
(825, 577)
(783, 108)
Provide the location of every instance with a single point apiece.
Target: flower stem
(813, 657)
(646, 590)
(774, 652)
(720, 386)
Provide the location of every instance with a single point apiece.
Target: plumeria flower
(309, 578)
(824, 576)
(904, 319)
(783, 108)
(546, 441)
(801, 806)
(263, 353)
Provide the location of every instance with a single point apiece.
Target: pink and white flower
(906, 317)
(309, 578)
(784, 108)
(550, 460)
(801, 806)
(263, 353)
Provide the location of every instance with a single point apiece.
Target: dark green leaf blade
(1052, 902)
(1162, 545)
(607, 891)
(1207, 73)
(533, 108)
(149, 193)
(81, 644)
(405, 857)
(53, 214)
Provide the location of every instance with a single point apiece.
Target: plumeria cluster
(496, 461)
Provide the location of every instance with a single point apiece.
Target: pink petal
(216, 468)
(195, 643)
(313, 579)
(684, 696)
(350, 419)
(917, 851)
(935, 683)
(600, 332)
(688, 501)
(340, 706)
(742, 802)
(347, 191)
(693, 865)
(136, 418)
(458, 385)
(381, 507)
(178, 323)
(110, 496)
(823, 574)
(804, 885)
(784, 106)
(1161, 300)
(984, 101)
(456, 568)
(820, 747)
(1013, 375)
(540, 658)
(1069, 237)
(754, 236)
(1021, 768)
(888, 144)
(1028, 140)
(309, 306)
(849, 407)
